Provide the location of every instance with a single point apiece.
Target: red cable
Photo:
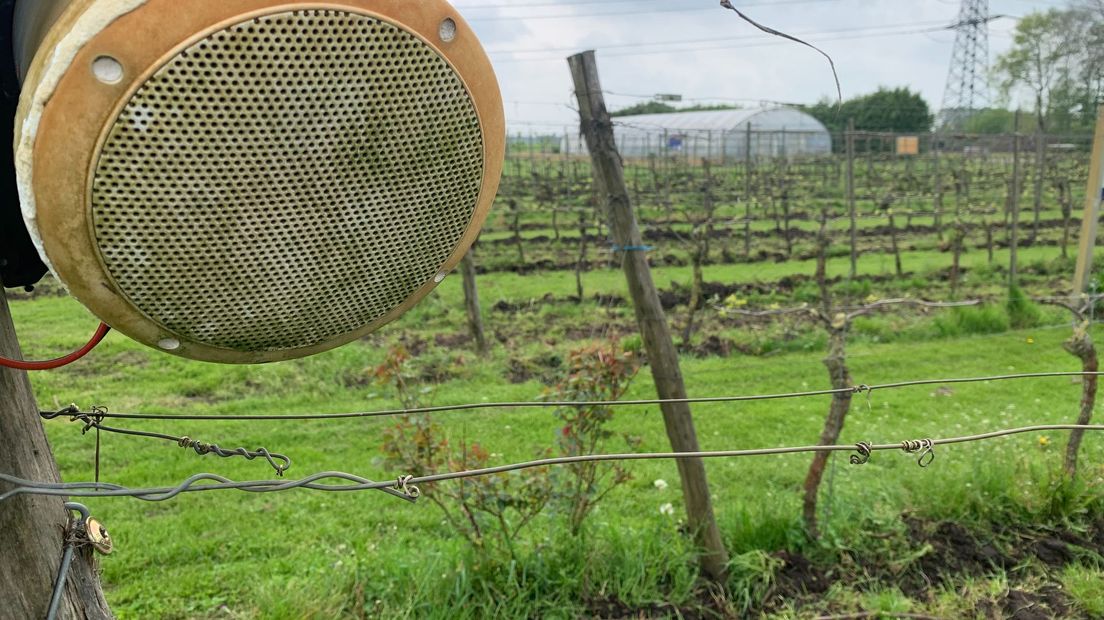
(61, 361)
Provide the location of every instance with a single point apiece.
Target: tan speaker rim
(58, 149)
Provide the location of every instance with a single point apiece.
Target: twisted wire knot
(70, 410)
(925, 447)
(278, 462)
(93, 419)
(403, 486)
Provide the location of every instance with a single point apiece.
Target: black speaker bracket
(20, 264)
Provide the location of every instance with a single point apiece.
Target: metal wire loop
(863, 457)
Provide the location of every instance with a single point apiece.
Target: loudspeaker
(247, 181)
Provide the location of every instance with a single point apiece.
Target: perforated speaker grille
(287, 180)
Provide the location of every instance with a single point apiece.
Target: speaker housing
(256, 180)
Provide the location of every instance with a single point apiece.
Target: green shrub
(854, 289)
(806, 292)
(1022, 312)
(972, 320)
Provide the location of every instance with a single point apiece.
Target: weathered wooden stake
(937, 180)
(1040, 170)
(747, 192)
(1093, 196)
(654, 329)
(851, 197)
(580, 263)
(33, 526)
(471, 303)
(1014, 206)
(515, 221)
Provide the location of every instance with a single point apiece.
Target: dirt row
(729, 255)
(950, 554)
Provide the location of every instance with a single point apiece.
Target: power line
(405, 486)
(858, 389)
(755, 37)
(519, 5)
(512, 5)
(626, 12)
(744, 46)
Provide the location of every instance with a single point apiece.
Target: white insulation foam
(98, 16)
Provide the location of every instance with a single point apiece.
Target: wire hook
(863, 457)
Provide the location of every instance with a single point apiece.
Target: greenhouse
(718, 134)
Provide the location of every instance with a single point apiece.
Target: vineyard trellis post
(747, 192)
(1014, 204)
(471, 302)
(1040, 170)
(1094, 195)
(850, 140)
(34, 526)
(937, 190)
(887, 206)
(654, 329)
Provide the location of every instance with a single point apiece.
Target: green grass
(305, 554)
(606, 282)
(1086, 586)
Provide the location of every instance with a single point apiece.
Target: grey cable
(404, 487)
(600, 403)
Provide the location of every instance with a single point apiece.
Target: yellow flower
(1030, 341)
(1044, 441)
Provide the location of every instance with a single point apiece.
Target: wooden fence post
(1014, 206)
(1040, 172)
(850, 139)
(471, 303)
(937, 182)
(747, 192)
(656, 333)
(33, 526)
(1094, 195)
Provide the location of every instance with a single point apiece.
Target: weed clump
(975, 320)
(1022, 312)
(601, 373)
(482, 509)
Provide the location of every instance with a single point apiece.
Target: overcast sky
(696, 49)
